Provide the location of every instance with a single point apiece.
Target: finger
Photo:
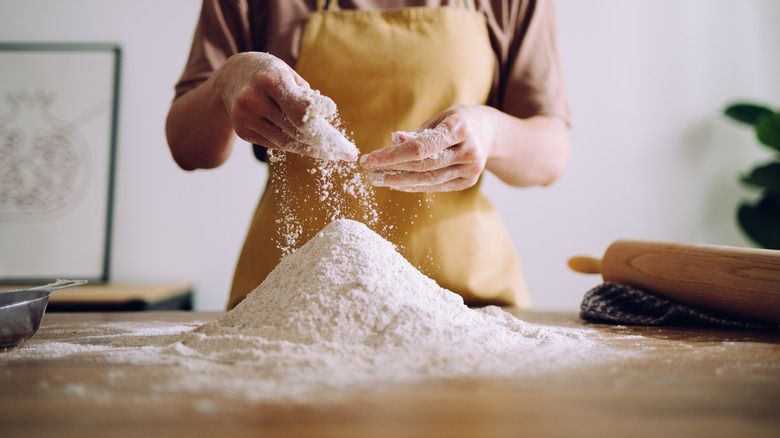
(298, 101)
(439, 160)
(311, 119)
(299, 80)
(411, 179)
(271, 136)
(291, 103)
(449, 186)
(434, 121)
(274, 138)
(425, 144)
(448, 132)
(253, 109)
(285, 91)
(289, 111)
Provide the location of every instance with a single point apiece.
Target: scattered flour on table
(345, 311)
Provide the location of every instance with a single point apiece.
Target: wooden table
(695, 382)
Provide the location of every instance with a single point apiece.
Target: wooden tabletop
(685, 382)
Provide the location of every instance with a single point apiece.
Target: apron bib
(391, 70)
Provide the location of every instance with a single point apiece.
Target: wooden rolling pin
(739, 281)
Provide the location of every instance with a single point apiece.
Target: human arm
(458, 144)
(198, 129)
(257, 97)
(521, 137)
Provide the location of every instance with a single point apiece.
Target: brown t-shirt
(528, 75)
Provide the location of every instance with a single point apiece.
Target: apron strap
(325, 5)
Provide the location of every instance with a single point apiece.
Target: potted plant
(760, 220)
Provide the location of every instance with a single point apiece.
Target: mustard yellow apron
(390, 70)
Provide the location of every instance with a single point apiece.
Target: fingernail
(350, 157)
(377, 178)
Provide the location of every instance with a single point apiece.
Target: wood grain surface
(683, 382)
(739, 281)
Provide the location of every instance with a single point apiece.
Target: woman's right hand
(269, 104)
(258, 97)
(260, 93)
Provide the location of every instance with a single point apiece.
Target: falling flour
(341, 187)
(341, 190)
(343, 312)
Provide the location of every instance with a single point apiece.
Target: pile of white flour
(348, 289)
(343, 312)
(347, 310)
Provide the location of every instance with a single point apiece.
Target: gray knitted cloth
(612, 303)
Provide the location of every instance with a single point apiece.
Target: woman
(484, 76)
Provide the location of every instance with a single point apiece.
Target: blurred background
(653, 157)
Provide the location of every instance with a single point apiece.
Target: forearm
(198, 128)
(527, 152)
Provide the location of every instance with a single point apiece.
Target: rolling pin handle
(585, 264)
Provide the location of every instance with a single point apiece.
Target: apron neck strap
(334, 5)
(325, 5)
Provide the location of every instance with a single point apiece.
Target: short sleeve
(222, 31)
(529, 75)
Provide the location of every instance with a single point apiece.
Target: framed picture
(58, 130)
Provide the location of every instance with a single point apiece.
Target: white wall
(652, 156)
(169, 225)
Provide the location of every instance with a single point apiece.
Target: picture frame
(58, 134)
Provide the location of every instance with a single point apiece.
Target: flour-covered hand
(269, 104)
(447, 153)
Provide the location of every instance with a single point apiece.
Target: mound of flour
(349, 286)
(346, 309)
(345, 312)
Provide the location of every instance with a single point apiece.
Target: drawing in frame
(58, 132)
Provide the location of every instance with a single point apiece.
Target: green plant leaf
(768, 130)
(766, 176)
(746, 112)
(761, 222)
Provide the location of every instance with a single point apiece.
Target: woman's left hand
(447, 153)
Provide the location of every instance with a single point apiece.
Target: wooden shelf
(106, 297)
